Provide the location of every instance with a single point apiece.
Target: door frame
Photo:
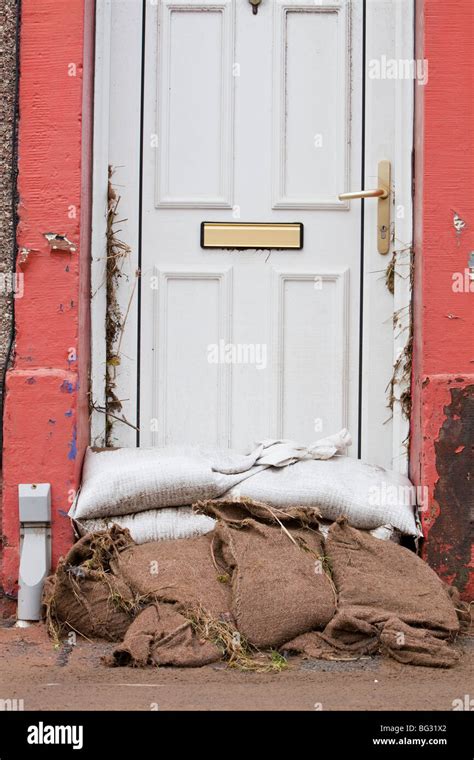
(117, 30)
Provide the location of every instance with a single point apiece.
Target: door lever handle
(379, 192)
(382, 193)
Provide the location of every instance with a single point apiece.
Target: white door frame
(117, 134)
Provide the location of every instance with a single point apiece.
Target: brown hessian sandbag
(389, 600)
(276, 569)
(84, 596)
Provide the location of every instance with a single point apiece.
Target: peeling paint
(23, 255)
(448, 549)
(458, 223)
(72, 454)
(59, 242)
(67, 387)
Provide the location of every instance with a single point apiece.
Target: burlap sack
(237, 510)
(276, 570)
(264, 572)
(388, 598)
(89, 602)
(160, 635)
(84, 596)
(416, 646)
(179, 571)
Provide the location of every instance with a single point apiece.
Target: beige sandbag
(416, 646)
(368, 495)
(160, 635)
(180, 571)
(84, 596)
(276, 570)
(91, 603)
(388, 598)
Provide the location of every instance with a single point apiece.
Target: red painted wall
(443, 380)
(46, 419)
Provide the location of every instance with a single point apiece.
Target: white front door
(259, 117)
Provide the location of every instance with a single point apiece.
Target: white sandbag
(154, 524)
(369, 496)
(119, 482)
(384, 533)
(125, 481)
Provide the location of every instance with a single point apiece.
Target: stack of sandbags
(150, 491)
(262, 579)
(257, 576)
(140, 490)
(249, 577)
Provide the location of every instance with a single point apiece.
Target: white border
(118, 64)
(103, 29)
(405, 48)
(389, 118)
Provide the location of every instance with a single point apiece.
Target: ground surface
(74, 678)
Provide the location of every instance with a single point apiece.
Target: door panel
(311, 78)
(310, 353)
(250, 118)
(193, 311)
(194, 166)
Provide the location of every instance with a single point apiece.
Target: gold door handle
(382, 192)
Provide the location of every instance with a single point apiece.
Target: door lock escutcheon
(255, 4)
(383, 194)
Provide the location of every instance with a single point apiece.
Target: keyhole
(255, 4)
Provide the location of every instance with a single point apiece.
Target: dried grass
(390, 274)
(236, 650)
(117, 252)
(402, 368)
